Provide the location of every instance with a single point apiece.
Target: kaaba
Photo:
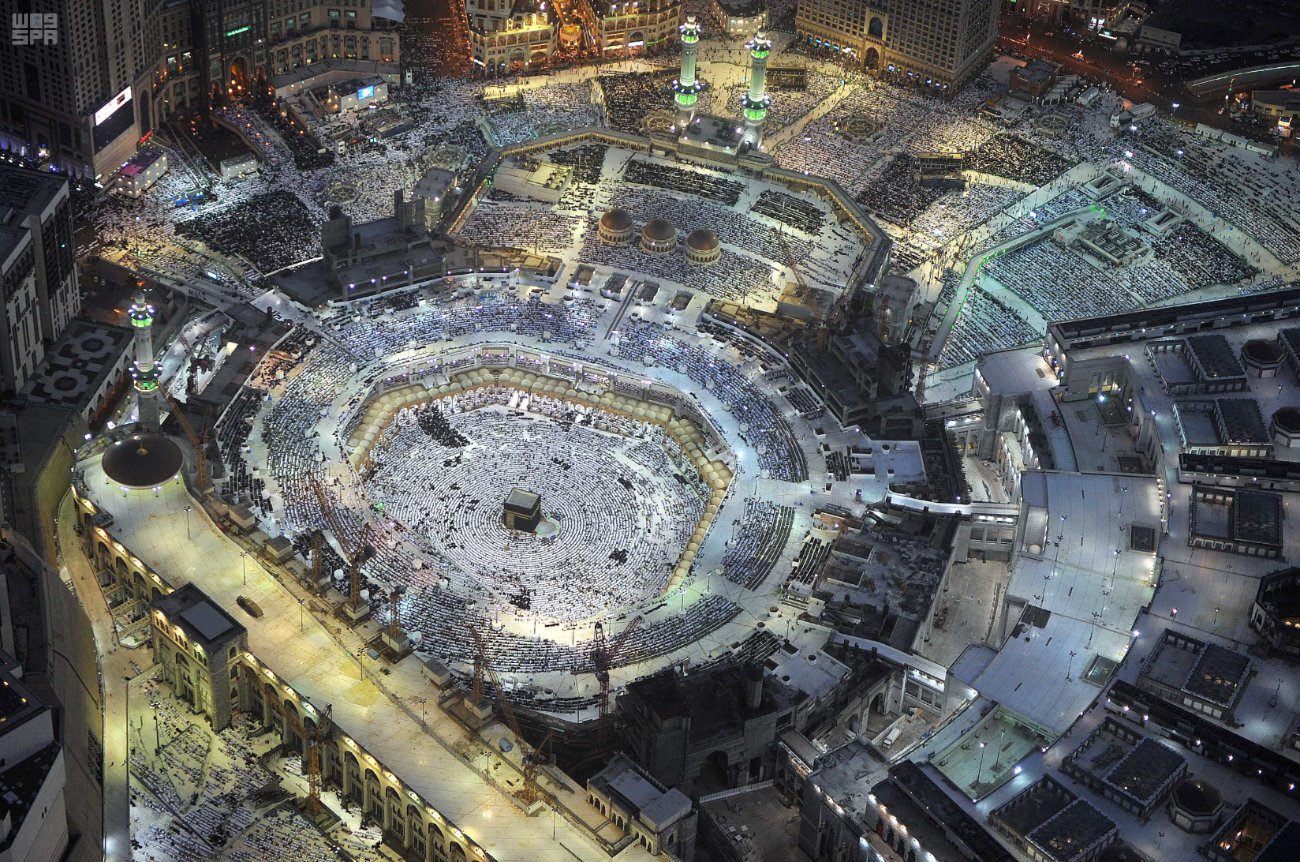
(522, 510)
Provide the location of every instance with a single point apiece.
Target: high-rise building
(37, 268)
(100, 74)
(77, 94)
(938, 44)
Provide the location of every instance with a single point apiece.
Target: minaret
(686, 88)
(756, 103)
(144, 371)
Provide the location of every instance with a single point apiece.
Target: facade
(906, 814)
(740, 18)
(629, 29)
(198, 647)
(37, 267)
(660, 819)
(82, 103)
(410, 825)
(511, 34)
(719, 724)
(1275, 615)
(33, 820)
(79, 102)
(940, 44)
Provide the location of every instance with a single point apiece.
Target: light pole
(301, 602)
(243, 562)
(188, 509)
(979, 776)
(1069, 667)
(157, 734)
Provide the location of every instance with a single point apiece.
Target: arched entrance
(871, 59)
(237, 85)
(714, 774)
(876, 29)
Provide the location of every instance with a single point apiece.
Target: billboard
(365, 93)
(111, 106)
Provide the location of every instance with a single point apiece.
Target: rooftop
(1257, 516)
(142, 460)
(743, 8)
(1215, 356)
(645, 799)
(1218, 674)
(203, 620)
(20, 784)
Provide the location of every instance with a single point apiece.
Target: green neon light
(238, 30)
(142, 322)
(755, 115)
(687, 99)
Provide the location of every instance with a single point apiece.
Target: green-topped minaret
(757, 101)
(144, 370)
(686, 89)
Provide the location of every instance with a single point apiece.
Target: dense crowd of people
(329, 382)
(613, 528)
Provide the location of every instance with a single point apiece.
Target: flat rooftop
(205, 621)
(1218, 674)
(1216, 357)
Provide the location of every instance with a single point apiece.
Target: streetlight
(188, 509)
(301, 602)
(157, 735)
(243, 561)
(979, 776)
(1069, 667)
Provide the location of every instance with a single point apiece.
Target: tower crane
(530, 755)
(199, 442)
(314, 739)
(603, 654)
(317, 546)
(358, 553)
(394, 622)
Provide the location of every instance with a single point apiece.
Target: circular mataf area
(620, 501)
(143, 460)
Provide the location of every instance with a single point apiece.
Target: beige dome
(658, 229)
(702, 240)
(616, 220)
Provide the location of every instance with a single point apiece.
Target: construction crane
(358, 554)
(394, 623)
(317, 548)
(199, 442)
(603, 655)
(311, 760)
(529, 755)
